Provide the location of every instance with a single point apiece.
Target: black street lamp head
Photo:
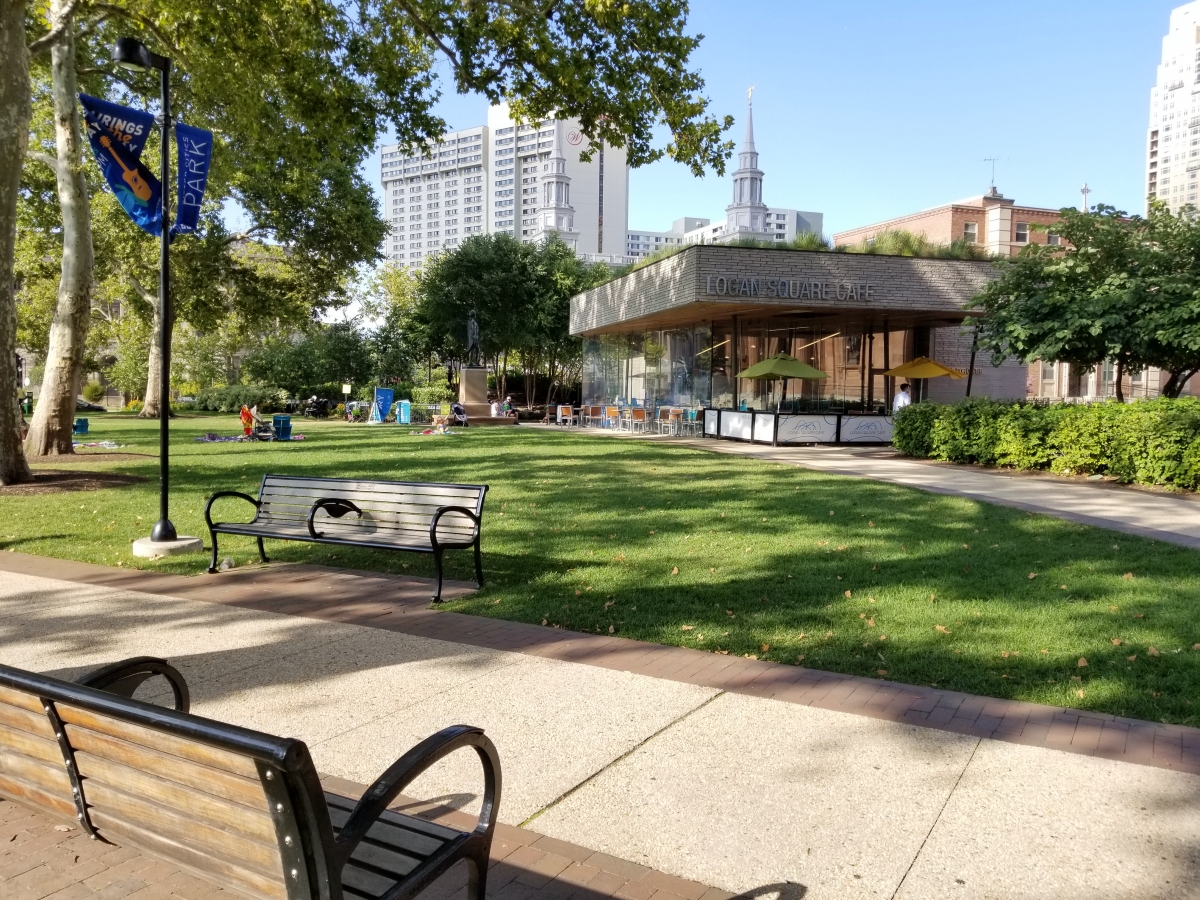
(132, 54)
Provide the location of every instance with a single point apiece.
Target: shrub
(433, 393)
(1152, 439)
(1082, 442)
(1189, 470)
(93, 392)
(1023, 435)
(967, 431)
(912, 428)
(134, 406)
(235, 396)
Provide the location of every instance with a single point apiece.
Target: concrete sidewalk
(730, 790)
(1174, 518)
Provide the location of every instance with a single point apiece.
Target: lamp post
(132, 54)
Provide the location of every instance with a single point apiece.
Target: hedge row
(1147, 442)
(235, 396)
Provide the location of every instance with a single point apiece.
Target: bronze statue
(473, 341)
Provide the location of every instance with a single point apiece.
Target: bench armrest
(337, 508)
(405, 770)
(217, 496)
(125, 677)
(441, 511)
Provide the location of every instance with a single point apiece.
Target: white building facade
(493, 178)
(1173, 137)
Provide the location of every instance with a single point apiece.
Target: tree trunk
(1120, 376)
(14, 137)
(150, 405)
(50, 431)
(1176, 383)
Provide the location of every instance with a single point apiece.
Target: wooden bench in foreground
(238, 807)
(416, 517)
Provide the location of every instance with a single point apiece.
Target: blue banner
(117, 135)
(195, 156)
(382, 404)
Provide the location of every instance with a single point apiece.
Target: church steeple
(746, 216)
(555, 214)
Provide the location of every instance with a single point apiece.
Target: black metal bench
(382, 515)
(238, 807)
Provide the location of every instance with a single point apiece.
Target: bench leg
(212, 566)
(477, 870)
(262, 554)
(437, 563)
(478, 565)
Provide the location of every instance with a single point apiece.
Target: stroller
(316, 408)
(458, 415)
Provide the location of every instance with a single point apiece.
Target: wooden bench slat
(216, 868)
(252, 823)
(23, 720)
(40, 774)
(341, 807)
(169, 823)
(158, 740)
(34, 797)
(366, 883)
(30, 745)
(21, 700)
(415, 488)
(382, 502)
(224, 785)
(402, 517)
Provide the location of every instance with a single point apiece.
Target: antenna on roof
(993, 160)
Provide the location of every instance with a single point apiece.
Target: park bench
(382, 515)
(240, 808)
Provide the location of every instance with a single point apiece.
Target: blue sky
(867, 109)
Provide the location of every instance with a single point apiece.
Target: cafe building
(677, 332)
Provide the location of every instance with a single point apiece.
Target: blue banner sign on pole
(384, 398)
(195, 156)
(118, 135)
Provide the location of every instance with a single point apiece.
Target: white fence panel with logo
(866, 429)
(711, 417)
(764, 427)
(801, 429)
(737, 424)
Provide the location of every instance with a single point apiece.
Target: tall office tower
(434, 199)
(1173, 138)
(599, 188)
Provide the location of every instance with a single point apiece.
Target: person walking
(902, 399)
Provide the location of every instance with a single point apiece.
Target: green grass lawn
(663, 543)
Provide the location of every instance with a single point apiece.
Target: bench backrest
(392, 510)
(217, 800)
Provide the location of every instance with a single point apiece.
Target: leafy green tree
(298, 94)
(1072, 304)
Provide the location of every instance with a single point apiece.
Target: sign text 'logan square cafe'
(791, 288)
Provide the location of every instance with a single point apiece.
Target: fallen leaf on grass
(1004, 653)
(1032, 575)
(1113, 608)
(611, 630)
(1062, 587)
(1079, 693)
(764, 647)
(1127, 575)
(712, 571)
(1156, 693)
(675, 570)
(687, 627)
(800, 658)
(1196, 646)
(881, 671)
(883, 637)
(871, 622)
(942, 628)
(1116, 642)
(1139, 615)
(722, 652)
(822, 543)
(729, 612)
(847, 594)
(1043, 651)
(544, 622)
(749, 656)
(1153, 651)
(577, 593)
(862, 615)
(1082, 662)
(1131, 658)
(609, 603)
(966, 546)
(870, 599)
(870, 524)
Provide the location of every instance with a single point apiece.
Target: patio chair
(662, 420)
(566, 416)
(637, 419)
(612, 417)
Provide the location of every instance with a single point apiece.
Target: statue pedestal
(472, 392)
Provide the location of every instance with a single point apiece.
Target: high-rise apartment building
(504, 177)
(1173, 138)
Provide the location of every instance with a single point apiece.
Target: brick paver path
(400, 603)
(41, 859)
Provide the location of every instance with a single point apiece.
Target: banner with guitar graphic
(195, 155)
(117, 135)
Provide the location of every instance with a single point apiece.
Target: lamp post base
(148, 548)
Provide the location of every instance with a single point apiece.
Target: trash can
(283, 427)
(404, 412)
(81, 426)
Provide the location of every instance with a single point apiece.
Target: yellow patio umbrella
(923, 367)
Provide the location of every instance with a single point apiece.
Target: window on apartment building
(1047, 371)
(1022, 233)
(1053, 239)
(971, 232)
